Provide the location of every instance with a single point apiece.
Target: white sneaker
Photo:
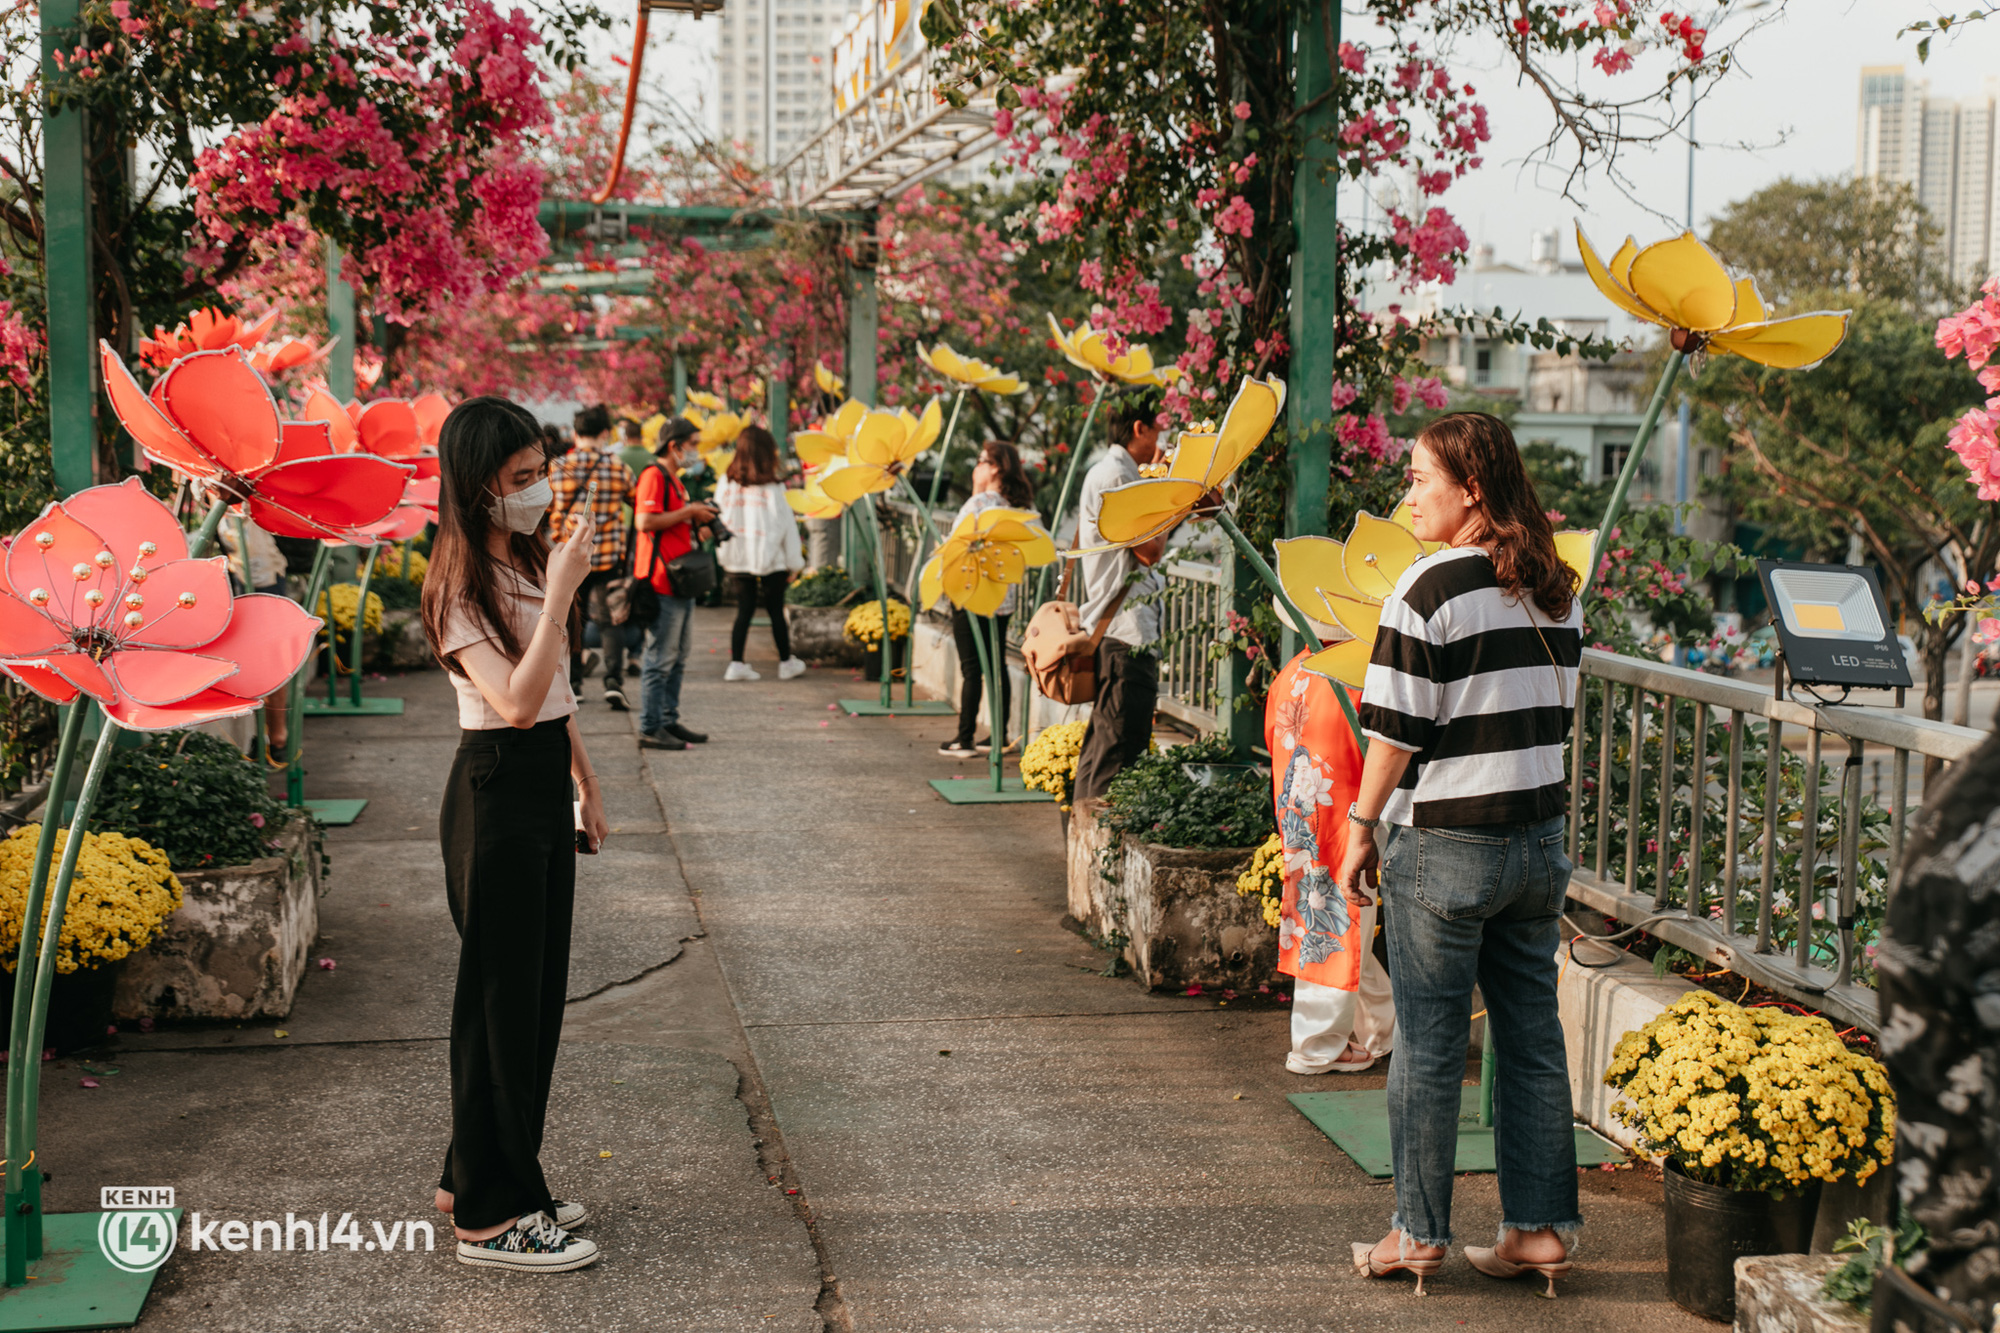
(791, 667)
(535, 1244)
(740, 671)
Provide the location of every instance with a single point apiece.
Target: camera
(719, 531)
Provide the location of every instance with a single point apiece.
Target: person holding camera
(668, 525)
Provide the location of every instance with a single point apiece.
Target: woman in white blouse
(762, 552)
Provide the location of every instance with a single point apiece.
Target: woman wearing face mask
(497, 610)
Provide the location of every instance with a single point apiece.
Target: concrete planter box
(1779, 1293)
(238, 945)
(816, 635)
(1174, 910)
(401, 644)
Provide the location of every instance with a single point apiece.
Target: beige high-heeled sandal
(1489, 1262)
(1366, 1265)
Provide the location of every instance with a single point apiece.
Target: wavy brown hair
(756, 460)
(1478, 452)
(1014, 486)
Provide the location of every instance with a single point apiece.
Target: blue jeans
(668, 639)
(1466, 905)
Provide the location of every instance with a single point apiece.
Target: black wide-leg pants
(507, 828)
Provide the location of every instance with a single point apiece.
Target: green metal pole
(944, 449)
(680, 384)
(1489, 1068)
(881, 594)
(1675, 360)
(45, 973)
(778, 407)
(204, 536)
(19, 1056)
(995, 675)
(340, 326)
(1263, 571)
(66, 268)
(924, 509)
(1063, 493)
(295, 773)
(979, 647)
(409, 573)
(360, 616)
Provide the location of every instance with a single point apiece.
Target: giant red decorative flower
(204, 330)
(100, 598)
(212, 417)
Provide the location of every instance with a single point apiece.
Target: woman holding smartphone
(497, 608)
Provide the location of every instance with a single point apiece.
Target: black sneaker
(953, 750)
(615, 698)
(691, 737)
(534, 1244)
(660, 740)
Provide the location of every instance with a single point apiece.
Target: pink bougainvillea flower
(205, 330)
(212, 417)
(100, 598)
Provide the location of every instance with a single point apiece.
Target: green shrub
(822, 587)
(1156, 799)
(194, 797)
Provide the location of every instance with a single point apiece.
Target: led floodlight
(1834, 625)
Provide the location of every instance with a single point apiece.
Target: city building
(773, 78)
(1591, 408)
(1941, 148)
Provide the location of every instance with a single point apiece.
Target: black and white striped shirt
(1461, 677)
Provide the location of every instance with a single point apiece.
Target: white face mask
(523, 510)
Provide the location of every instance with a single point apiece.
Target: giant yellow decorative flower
(986, 554)
(706, 401)
(1089, 349)
(881, 445)
(1679, 284)
(1141, 510)
(811, 500)
(970, 372)
(1340, 586)
(830, 438)
(829, 383)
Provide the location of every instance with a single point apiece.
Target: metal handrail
(1704, 919)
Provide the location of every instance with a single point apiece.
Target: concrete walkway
(850, 1071)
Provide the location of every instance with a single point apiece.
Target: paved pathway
(852, 1073)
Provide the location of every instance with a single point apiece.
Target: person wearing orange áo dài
(1343, 1017)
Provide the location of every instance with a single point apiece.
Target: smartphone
(583, 845)
(578, 517)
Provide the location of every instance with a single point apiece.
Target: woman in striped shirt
(1467, 702)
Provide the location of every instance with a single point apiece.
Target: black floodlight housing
(1834, 625)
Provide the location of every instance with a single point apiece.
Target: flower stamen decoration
(970, 372)
(100, 598)
(1141, 510)
(211, 417)
(1090, 349)
(1340, 586)
(1681, 285)
(987, 553)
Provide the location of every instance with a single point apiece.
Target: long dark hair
(1478, 452)
(756, 460)
(474, 443)
(1014, 487)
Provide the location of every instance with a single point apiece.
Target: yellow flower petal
(1138, 511)
(878, 440)
(1797, 343)
(850, 483)
(1344, 662)
(1574, 549)
(702, 398)
(1002, 385)
(1684, 281)
(925, 432)
(817, 448)
(1360, 618)
(1194, 455)
(1750, 307)
(812, 502)
(829, 383)
(843, 422)
(1609, 281)
(1377, 554)
(1251, 415)
(1309, 569)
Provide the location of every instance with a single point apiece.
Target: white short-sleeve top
(464, 626)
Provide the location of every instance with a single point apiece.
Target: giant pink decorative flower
(100, 598)
(212, 417)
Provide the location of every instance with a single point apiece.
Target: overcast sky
(1789, 108)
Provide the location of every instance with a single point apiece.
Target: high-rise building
(773, 81)
(1944, 150)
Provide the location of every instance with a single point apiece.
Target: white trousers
(1325, 1019)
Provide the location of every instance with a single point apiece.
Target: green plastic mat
(1358, 1124)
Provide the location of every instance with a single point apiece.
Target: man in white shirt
(1128, 674)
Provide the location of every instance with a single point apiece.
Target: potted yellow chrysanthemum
(1753, 1109)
